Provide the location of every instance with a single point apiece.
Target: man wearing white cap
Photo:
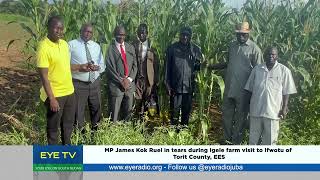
(244, 54)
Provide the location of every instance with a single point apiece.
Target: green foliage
(292, 27)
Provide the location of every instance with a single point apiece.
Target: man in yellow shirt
(53, 62)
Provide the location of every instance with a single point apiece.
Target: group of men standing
(70, 75)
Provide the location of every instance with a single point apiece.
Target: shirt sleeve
(288, 86)
(258, 56)
(250, 81)
(42, 57)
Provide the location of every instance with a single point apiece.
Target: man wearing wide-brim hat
(244, 54)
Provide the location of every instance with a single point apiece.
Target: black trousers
(183, 102)
(87, 93)
(64, 119)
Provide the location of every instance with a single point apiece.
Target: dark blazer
(152, 63)
(115, 69)
(181, 66)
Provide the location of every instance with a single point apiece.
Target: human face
(242, 37)
(142, 34)
(271, 57)
(185, 38)
(86, 33)
(120, 35)
(55, 31)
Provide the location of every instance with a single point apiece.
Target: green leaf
(10, 43)
(220, 82)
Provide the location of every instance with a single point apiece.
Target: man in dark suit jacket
(121, 68)
(148, 72)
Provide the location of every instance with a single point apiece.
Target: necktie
(124, 60)
(140, 60)
(89, 59)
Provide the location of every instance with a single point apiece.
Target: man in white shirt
(121, 69)
(87, 64)
(269, 86)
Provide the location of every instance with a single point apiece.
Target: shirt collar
(53, 44)
(118, 44)
(248, 43)
(264, 66)
(145, 43)
(82, 41)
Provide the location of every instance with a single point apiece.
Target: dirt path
(16, 83)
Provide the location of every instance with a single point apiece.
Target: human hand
(94, 67)
(84, 68)
(170, 92)
(283, 112)
(125, 84)
(54, 105)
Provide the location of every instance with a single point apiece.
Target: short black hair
(54, 19)
(186, 29)
(143, 26)
(117, 28)
(86, 25)
(270, 48)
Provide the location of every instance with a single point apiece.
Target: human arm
(80, 67)
(218, 66)
(284, 108)
(111, 72)
(134, 69)
(288, 87)
(54, 105)
(248, 89)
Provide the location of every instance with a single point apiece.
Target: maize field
(294, 27)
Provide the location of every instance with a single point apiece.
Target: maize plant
(292, 26)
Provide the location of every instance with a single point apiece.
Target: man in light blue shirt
(87, 64)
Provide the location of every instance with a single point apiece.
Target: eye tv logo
(57, 158)
(57, 155)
